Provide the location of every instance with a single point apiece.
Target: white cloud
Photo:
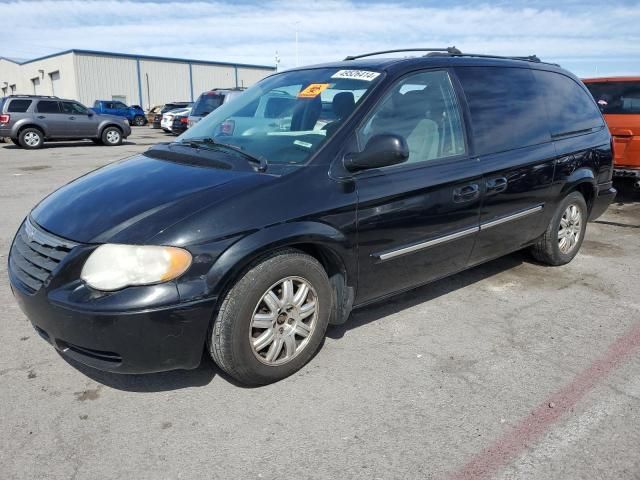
(586, 37)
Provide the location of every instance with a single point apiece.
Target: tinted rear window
(571, 108)
(507, 108)
(616, 97)
(207, 103)
(48, 106)
(18, 106)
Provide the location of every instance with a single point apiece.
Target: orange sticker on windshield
(313, 90)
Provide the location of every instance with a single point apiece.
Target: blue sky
(588, 37)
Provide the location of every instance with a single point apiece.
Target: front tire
(111, 136)
(273, 320)
(565, 233)
(31, 138)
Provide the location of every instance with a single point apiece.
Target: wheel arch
(321, 241)
(582, 180)
(29, 124)
(109, 124)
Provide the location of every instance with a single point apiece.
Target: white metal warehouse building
(87, 76)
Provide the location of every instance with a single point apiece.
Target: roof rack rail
(23, 95)
(527, 58)
(447, 50)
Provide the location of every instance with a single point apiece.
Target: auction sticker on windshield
(313, 90)
(356, 75)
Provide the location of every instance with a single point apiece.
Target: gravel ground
(511, 370)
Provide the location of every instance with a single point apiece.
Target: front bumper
(606, 194)
(134, 330)
(145, 341)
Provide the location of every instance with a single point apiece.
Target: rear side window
(616, 97)
(507, 108)
(48, 106)
(571, 108)
(18, 106)
(207, 103)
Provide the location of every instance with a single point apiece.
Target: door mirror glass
(382, 150)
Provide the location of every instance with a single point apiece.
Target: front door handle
(41, 117)
(466, 193)
(497, 185)
(72, 118)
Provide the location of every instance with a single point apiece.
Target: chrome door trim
(388, 255)
(508, 218)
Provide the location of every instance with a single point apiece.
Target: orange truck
(619, 101)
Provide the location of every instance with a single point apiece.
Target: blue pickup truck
(134, 113)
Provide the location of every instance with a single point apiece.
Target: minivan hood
(132, 200)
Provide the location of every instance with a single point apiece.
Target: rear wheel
(273, 319)
(565, 233)
(111, 136)
(138, 120)
(31, 138)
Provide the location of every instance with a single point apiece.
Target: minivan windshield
(286, 117)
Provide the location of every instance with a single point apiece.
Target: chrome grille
(35, 254)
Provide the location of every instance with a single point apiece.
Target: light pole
(297, 56)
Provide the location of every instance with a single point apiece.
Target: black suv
(267, 221)
(30, 120)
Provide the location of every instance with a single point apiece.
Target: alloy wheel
(113, 136)
(570, 229)
(32, 139)
(283, 321)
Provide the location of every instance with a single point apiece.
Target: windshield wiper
(209, 142)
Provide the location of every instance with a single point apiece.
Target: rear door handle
(497, 185)
(72, 118)
(41, 117)
(466, 193)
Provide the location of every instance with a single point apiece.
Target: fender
(581, 177)
(28, 122)
(239, 255)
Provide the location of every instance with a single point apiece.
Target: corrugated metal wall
(208, 77)
(101, 77)
(249, 76)
(167, 81)
(38, 77)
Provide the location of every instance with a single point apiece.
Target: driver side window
(422, 108)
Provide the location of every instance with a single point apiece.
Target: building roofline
(142, 57)
(9, 60)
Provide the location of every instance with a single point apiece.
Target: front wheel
(273, 320)
(111, 136)
(565, 233)
(138, 120)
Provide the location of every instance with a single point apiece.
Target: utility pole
(297, 55)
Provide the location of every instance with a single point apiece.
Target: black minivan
(316, 191)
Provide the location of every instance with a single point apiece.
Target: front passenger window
(423, 109)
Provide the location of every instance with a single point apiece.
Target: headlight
(112, 267)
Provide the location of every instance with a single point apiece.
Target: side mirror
(381, 151)
(90, 112)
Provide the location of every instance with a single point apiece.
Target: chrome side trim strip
(509, 218)
(429, 243)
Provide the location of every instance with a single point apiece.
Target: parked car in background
(167, 107)
(209, 101)
(180, 123)
(31, 120)
(248, 245)
(167, 118)
(134, 114)
(619, 101)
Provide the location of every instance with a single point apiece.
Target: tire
(571, 216)
(232, 339)
(31, 138)
(138, 120)
(111, 136)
